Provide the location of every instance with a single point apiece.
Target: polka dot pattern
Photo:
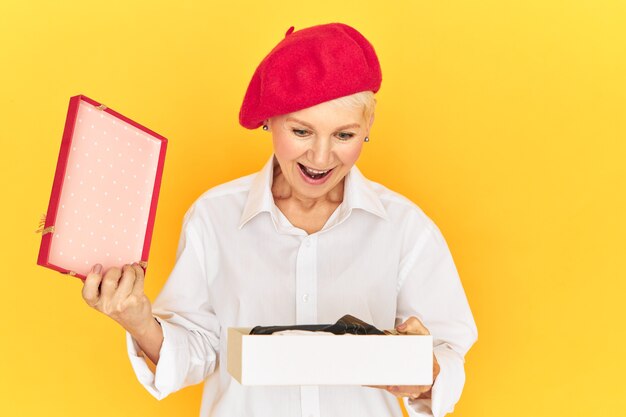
(106, 195)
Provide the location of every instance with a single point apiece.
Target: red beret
(308, 67)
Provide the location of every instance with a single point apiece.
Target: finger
(125, 284)
(91, 293)
(139, 280)
(414, 389)
(412, 325)
(109, 283)
(411, 391)
(397, 390)
(426, 394)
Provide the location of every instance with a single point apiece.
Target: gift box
(104, 196)
(320, 358)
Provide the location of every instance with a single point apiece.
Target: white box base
(329, 360)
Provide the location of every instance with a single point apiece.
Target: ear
(369, 127)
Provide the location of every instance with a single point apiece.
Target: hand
(412, 325)
(120, 296)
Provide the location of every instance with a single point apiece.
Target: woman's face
(316, 147)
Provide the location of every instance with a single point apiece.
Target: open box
(329, 360)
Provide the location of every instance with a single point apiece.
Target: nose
(320, 153)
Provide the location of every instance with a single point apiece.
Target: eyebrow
(311, 127)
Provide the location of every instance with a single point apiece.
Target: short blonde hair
(365, 99)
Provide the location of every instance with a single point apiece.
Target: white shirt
(241, 263)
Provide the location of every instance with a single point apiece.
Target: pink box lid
(105, 192)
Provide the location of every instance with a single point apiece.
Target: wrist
(149, 327)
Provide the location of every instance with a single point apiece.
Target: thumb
(412, 325)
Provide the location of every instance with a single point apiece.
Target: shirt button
(307, 242)
(305, 297)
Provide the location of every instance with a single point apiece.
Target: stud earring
(265, 127)
(367, 139)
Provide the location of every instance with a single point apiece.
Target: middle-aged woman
(306, 240)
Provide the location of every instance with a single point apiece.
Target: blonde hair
(365, 99)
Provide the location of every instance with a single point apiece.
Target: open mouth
(312, 173)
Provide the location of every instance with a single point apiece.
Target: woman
(304, 241)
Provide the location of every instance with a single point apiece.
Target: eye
(299, 132)
(345, 136)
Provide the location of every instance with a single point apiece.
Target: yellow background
(503, 120)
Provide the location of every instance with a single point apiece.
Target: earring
(367, 139)
(265, 127)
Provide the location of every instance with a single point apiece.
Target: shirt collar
(358, 194)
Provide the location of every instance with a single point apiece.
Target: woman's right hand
(120, 295)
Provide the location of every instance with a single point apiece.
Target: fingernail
(97, 268)
(401, 326)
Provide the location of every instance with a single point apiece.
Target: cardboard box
(329, 360)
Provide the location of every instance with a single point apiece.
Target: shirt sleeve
(183, 308)
(431, 290)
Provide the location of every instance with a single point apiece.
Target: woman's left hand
(412, 325)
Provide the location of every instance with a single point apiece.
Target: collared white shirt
(241, 263)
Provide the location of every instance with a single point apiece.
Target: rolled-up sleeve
(184, 310)
(430, 289)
